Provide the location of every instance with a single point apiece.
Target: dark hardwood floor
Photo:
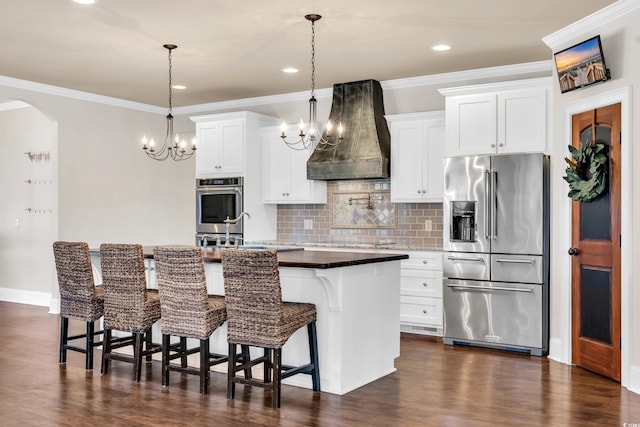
(435, 385)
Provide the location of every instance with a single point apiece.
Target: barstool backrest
(253, 296)
(125, 286)
(75, 279)
(182, 285)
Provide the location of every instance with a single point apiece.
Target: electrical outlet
(427, 225)
(308, 224)
(16, 223)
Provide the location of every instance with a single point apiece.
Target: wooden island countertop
(317, 259)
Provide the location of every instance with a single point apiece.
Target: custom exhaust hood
(364, 152)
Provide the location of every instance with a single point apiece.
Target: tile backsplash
(360, 212)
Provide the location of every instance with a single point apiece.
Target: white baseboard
(634, 379)
(555, 350)
(20, 296)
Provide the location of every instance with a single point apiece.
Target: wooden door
(596, 243)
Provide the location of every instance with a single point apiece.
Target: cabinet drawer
(425, 311)
(431, 260)
(422, 283)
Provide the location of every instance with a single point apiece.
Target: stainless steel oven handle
(516, 261)
(487, 289)
(453, 258)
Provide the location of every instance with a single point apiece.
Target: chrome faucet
(228, 221)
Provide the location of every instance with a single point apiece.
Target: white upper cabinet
(511, 117)
(417, 146)
(222, 142)
(285, 173)
(221, 147)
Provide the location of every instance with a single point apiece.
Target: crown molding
(599, 18)
(411, 82)
(251, 102)
(79, 95)
(497, 86)
(481, 73)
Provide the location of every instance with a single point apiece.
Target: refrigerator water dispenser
(463, 221)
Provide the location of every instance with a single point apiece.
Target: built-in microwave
(216, 200)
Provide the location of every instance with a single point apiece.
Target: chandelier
(311, 137)
(173, 146)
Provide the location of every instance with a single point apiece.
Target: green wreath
(586, 172)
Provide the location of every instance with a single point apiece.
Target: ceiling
(237, 49)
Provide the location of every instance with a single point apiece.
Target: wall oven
(216, 200)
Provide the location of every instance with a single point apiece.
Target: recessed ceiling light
(84, 1)
(179, 87)
(290, 70)
(441, 47)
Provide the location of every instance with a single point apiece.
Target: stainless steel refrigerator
(496, 252)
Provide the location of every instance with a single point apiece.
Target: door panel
(500, 313)
(519, 188)
(596, 261)
(465, 189)
(516, 268)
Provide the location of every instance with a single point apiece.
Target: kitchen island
(357, 297)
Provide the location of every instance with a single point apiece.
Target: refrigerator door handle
(487, 231)
(516, 261)
(454, 258)
(494, 203)
(487, 289)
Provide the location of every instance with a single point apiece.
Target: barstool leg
(89, 347)
(137, 355)
(106, 351)
(268, 365)
(277, 377)
(204, 365)
(148, 344)
(231, 372)
(313, 354)
(166, 343)
(246, 358)
(64, 335)
(183, 351)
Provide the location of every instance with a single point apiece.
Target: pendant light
(310, 136)
(173, 147)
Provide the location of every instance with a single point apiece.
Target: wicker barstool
(128, 305)
(80, 299)
(257, 316)
(187, 311)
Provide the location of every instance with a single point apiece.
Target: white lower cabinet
(421, 293)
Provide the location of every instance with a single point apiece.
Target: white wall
(620, 35)
(105, 187)
(26, 190)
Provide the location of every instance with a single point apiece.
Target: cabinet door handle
(493, 145)
(424, 311)
(516, 261)
(425, 284)
(451, 258)
(424, 261)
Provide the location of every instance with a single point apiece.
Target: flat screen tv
(581, 65)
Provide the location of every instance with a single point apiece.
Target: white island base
(358, 314)
(358, 322)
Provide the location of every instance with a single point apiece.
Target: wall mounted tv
(581, 65)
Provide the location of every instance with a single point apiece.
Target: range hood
(364, 151)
